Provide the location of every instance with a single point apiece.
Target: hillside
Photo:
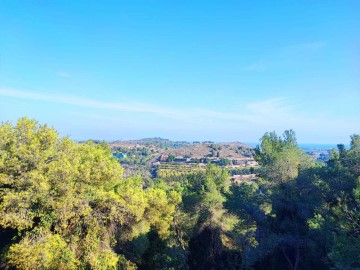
(150, 156)
(158, 149)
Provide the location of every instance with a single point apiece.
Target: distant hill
(159, 148)
(163, 157)
(156, 141)
(219, 150)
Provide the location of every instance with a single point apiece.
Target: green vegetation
(67, 205)
(175, 169)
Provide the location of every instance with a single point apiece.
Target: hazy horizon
(253, 143)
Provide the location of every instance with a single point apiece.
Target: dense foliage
(65, 205)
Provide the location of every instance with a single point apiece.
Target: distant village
(164, 151)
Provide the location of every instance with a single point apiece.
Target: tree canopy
(66, 205)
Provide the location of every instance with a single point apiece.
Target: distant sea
(306, 146)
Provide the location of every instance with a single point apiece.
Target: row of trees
(65, 205)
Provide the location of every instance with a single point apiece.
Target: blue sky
(184, 70)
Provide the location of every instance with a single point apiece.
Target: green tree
(355, 142)
(292, 203)
(171, 158)
(280, 157)
(66, 204)
(342, 219)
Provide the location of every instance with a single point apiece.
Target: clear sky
(184, 70)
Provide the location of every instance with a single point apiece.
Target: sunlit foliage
(68, 203)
